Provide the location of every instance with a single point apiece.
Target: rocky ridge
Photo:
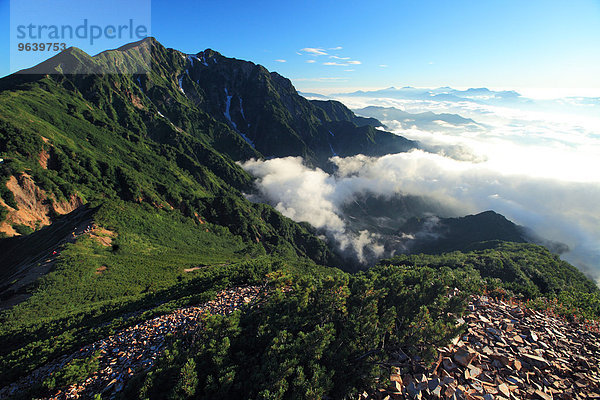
(508, 351)
(134, 349)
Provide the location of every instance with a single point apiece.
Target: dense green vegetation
(143, 266)
(75, 371)
(527, 270)
(334, 337)
(321, 337)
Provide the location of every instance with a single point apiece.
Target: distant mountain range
(416, 224)
(441, 235)
(577, 105)
(478, 95)
(426, 120)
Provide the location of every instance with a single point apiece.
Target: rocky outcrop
(508, 352)
(34, 206)
(134, 349)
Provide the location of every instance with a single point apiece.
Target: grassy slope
(173, 201)
(144, 270)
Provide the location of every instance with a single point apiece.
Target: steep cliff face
(265, 109)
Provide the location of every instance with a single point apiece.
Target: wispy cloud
(336, 48)
(349, 70)
(314, 51)
(383, 65)
(310, 61)
(340, 58)
(343, 64)
(281, 61)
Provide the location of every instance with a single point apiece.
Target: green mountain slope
(122, 199)
(526, 269)
(153, 170)
(442, 235)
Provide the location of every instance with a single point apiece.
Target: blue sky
(508, 44)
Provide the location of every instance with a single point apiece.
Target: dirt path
(134, 349)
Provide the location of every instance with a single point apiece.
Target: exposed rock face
(507, 352)
(34, 205)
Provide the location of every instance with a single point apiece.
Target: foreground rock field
(508, 352)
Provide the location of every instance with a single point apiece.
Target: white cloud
(336, 48)
(383, 65)
(314, 51)
(309, 195)
(310, 61)
(316, 197)
(340, 58)
(544, 160)
(336, 64)
(281, 61)
(349, 70)
(354, 62)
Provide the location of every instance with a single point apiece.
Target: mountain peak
(210, 53)
(147, 42)
(68, 60)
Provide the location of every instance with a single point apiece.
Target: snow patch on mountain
(333, 153)
(180, 80)
(242, 109)
(227, 107)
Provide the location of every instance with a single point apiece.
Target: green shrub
(3, 213)
(320, 337)
(77, 370)
(23, 229)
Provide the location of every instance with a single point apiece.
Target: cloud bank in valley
(535, 165)
(313, 196)
(568, 212)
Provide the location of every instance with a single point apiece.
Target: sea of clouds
(537, 163)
